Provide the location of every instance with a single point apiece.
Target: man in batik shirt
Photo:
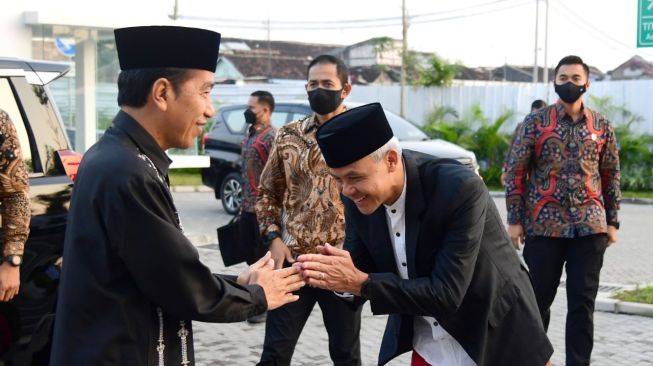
(14, 208)
(299, 208)
(562, 195)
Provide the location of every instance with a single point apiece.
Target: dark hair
(264, 97)
(537, 104)
(135, 85)
(341, 68)
(573, 60)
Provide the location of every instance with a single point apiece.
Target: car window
(235, 119)
(404, 130)
(9, 105)
(44, 125)
(279, 118)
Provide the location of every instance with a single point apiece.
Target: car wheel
(231, 193)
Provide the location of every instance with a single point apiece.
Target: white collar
(400, 203)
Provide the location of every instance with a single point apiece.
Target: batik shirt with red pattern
(562, 177)
(254, 154)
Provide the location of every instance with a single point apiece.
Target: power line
(335, 24)
(354, 24)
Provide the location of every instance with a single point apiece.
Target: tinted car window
(235, 119)
(44, 123)
(8, 104)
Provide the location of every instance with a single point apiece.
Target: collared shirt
(562, 177)
(430, 340)
(254, 154)
(296, 193)
(14, 197)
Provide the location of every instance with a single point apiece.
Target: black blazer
(462, 268)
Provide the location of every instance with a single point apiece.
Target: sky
(472, 32)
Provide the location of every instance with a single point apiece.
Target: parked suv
(222, 144)
(26, 321)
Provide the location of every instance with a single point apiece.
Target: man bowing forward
(426, 245)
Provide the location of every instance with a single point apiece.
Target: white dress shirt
(430, 340)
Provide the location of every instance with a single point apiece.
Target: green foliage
(474, 132)
(642, 295)
(439, 73)
(635, 150)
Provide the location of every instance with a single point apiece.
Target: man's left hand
(331, 269)
(612, 235)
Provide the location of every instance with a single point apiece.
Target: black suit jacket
(462, 268)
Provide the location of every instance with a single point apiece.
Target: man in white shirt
(426, 245)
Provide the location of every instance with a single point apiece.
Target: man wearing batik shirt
(299, 208)
(14, 208)
(567, 208)
(254, 154)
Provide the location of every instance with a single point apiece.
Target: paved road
(619, 339)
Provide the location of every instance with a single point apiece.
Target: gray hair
(392, 144)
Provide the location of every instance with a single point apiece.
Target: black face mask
(250, 117)
(324, 101)
(569, 92)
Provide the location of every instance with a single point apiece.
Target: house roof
(272, 60)
(634, 68)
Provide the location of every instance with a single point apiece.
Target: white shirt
(430, 340)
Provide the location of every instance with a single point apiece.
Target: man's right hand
(516, 233)
(280, 252)
(278, 285)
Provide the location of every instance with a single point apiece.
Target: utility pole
(175, 11)
(537, 17)
(404, 56)
(269, 52)
(546, 43)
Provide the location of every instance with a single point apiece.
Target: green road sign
(645, 23)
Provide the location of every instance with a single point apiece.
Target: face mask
(324, 101)
(569, 92)
(250, 117)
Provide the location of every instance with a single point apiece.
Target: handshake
(330, 269)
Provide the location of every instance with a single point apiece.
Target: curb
(631, 200)
(607, 304)
(187, 189)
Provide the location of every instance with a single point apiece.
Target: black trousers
(582, 258)
(250, 237)
(342, 320)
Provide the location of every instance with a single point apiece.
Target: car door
(41, 136)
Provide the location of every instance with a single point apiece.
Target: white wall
(16, 37)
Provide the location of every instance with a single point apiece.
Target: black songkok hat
(354, 134)
(167, 46)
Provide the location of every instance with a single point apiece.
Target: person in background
(14, 208)
(298, 197)
(255, 149)
(566, 212)
(535, 106)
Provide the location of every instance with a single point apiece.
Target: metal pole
(404, 49)
(269, 52)
(537, 17)
(546, 44)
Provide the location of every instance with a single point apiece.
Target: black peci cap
(167, 46)
(354, 134)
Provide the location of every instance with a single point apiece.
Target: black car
(26, 321)
(222, 143)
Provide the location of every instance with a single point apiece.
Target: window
(9, 105)
(235, 119)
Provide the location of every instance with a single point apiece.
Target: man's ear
(161, 93)
(587, 85)
(346, 90)
(392, 160)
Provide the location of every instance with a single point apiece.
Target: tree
(439, 73)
